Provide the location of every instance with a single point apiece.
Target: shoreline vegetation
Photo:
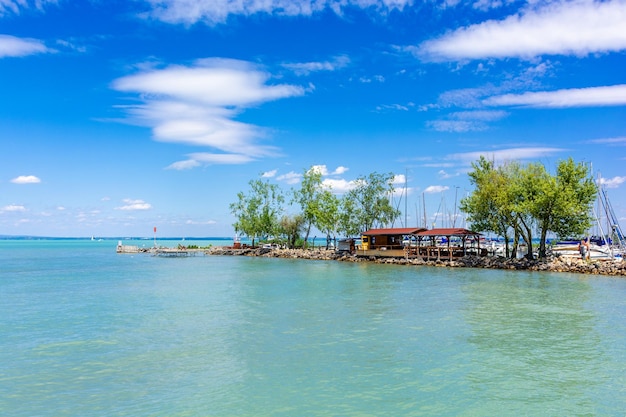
(552, 264)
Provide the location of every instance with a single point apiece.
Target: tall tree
(527, 199)
(348, 225)
(327, 220)
(258, 211)
(370, 204)
(487, 207)
(308, 197)
(562, 203)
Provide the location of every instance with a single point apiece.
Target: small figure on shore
(583, 248)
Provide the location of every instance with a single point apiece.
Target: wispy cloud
(13, 208)
(305, 68)
(467, 121)
(197, 105)
(26, 179)
(133, 205)
(290, 177)
(434, 189)
(619, 141)
(574, 28)
(207, 158)
(11, 46)
(444, 175)
(200, 223)
(16, 6)
(394, 107)
(503, 155)
(614, 95)
(612, 182)
(213, 12)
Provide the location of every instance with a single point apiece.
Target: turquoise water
(87, 332)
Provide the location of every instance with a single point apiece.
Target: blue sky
(118, 116)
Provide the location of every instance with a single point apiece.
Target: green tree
(291, 227)
(527, 199)
(368, 204)
(348, 225)
(258, 211)
(327, 219)
(486, 207)
(308, 198)
(562, 203)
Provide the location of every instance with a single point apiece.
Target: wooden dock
(177, 252)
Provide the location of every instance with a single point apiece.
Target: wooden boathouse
(386, 242)
(433, 244)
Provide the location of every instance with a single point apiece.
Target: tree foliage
(327, 220)
(258, 212)
(522, 200)
(291, 227)
(308, 197)
(368, 204)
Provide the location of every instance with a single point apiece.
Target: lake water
(87, 332)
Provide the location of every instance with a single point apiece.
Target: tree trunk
(306, 237)
(542, 243)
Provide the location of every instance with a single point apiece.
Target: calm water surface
(87, 332)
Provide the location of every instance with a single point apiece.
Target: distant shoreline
(151, 238)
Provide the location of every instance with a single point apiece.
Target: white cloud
(503, 155)
(15, 6)
(614, 95)
(217, 11)
(132, 205)
(26, 179)
(434, 189)
(482, 115)
(199, 158)
(338, 186)
(612, 182)
(14, 208)
(183, 165)
(203, 223)
(446, 175)
(467, 121)
(290, 177)
(10, 46)
(619, 141)
(269, 174)
(399, 179)
(320, 169)
(456, 126)
(367, 80)
(393, 107)
(197, 105)
(305, 68)
(323, 170)
(578, 27)
(340, 170)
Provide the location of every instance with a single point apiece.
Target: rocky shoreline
(549, 265)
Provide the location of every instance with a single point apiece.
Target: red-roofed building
(410, 242)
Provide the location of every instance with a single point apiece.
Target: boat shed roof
(448, 231)
(394, 231)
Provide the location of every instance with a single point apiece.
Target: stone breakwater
(549, 265)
